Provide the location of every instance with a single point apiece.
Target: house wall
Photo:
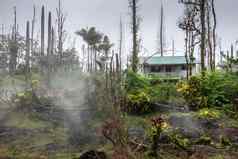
(176, 71)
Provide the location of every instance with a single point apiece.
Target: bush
(163, 92)
(24, 99)
(135, 81)
(204, 140)
(143, 92)
(138, 99)
(209, 114)
(192, 92)
(179, 140)
(139, 102)
(214, 89)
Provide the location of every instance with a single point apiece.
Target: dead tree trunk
(210, 52)
(14, 46)
(121, 43)
(49, 49)
(27, 58)
(42, 30)
(60, 21)
(186, 53)
(214, 34)
(162, 31)
(33, 29)
(135, 34)
(203, 34)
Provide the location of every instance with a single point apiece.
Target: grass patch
(24, 121)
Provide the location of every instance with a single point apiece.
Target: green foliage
(217, 157)
(27, 98)
(136, 81)
(220, 88)
(138, 97)
(163, 92)
(24, 99)
(139, 102)
(143, 92)
(224, 141)
(158, 125)
(204, 140)
(191, 90)
(179, 140)
(209, 114)
(214, 89)
(91, 36)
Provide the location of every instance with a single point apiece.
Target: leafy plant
(191, 90)
(139, 102)
(23, 99)
(142, 93)
(158, 125)
(179, 141)
(214, 89)
(209, 114)
(135, 81)
(204, 140)
(224, 141)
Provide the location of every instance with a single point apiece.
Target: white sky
(105, 16)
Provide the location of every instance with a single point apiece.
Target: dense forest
(58, 101)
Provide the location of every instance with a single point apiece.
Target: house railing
(168, 74)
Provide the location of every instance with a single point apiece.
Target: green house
(166, 66)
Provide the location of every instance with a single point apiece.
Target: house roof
(166, 60)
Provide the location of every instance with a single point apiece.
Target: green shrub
(136, 81)
(204, 140)
(214, 89)
(139, 102)
(224, 141)
(192, 92)
(163, 92)
(220, 88)
(209, 114)
(23, 99)
(179, 141)
(143, 92)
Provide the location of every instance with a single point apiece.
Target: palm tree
(93, 39)
(105, 46)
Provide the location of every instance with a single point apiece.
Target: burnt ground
(205, 138)
(61, 133)
(44, 132)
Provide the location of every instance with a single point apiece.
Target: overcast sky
(105, 16)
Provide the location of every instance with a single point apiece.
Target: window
(156, 69)
(168, 69)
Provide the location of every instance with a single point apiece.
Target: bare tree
(49, 49)
(133, 4)
(214, 33)
(161, 33)
(49, 34)
(121, 43)
(202, 8)
(188, 24)
(209, 42)
(42, 31)
(205, 29)
(33, 29)
(60, 20)
(14, 45)
(27, 56)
